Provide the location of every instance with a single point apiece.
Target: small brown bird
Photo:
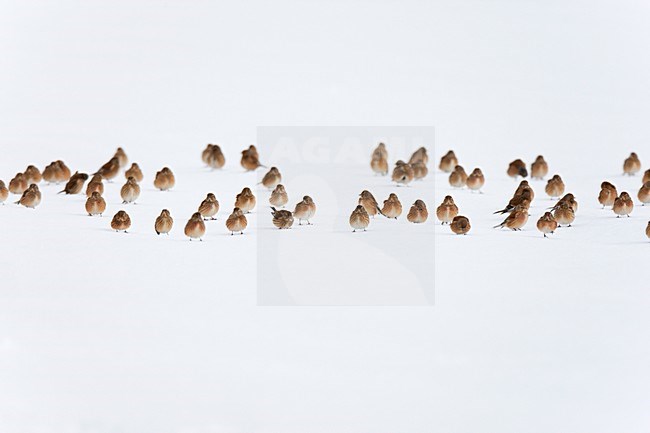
(380, 151)
(420, 155)
(555, 186)
(121, 157)
(447, 211)
(62, 171)
(95, 184)
(32, 175)
(279, 196)
(647, 230)
(539, 168)
(195, 227)
(164, 179)
(475, 180)
(135, 172)
(272, 178)
(607, 194)
(164, 223)
(564, 214)
(392, 207)
(523, 199)
(517, 168)
(632, 165)
(4, 192)
(49, 174)
(95, 204)
(130, 191)
(209, 207)
(568, 199)
(403, 173)
(517, 218)
(250, 159)
(76, 183)
(282, 219)
(359, 219)
(305, 210)
(646, 176)
(121, 222)
(31, 197)
(420, 170)
(522, 186)
(418, 212)
(448, 162)
(458, 177)
(205, 154)
(367, 200)
(213, 156)
(18, 184)
(460, 225)
(110, 169)
(245, 200)
(236, 222)
(379, 160)
(623, 205)
(644, 194)
(547, 224)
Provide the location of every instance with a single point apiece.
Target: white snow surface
(111, 332)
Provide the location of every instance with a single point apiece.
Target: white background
(107, 333)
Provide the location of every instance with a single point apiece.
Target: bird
(121, 157)
(164, 179)
(18, 184)
(564, 215)
(420, 155)
(95, 204)
(4, 192)
(359, 219)
(32, 175)
(250, 159)
(367, 200)
(245, 200)
(447, 210)
(392, 207)
(110, 169)
(279, 196)
(647, 230)
(31, 197)
(632, 164)
(134, 171)
(607, 194)
(546, 223)
(460, 225)
(568, 199)
(458, 177)
(420, 170)
(209, 207)
(164, 223)
(524, 198)
(539, 168)
(95, 184)
(236, 222)
(403, 173)
(62, 171)
(517, 168)
(524, 185)
(555, 186)
(282, 219)
(195, 227)
(305, 210)
(76, 183)
(646, 176)
(130, 191)
(516, 220)
(380, 151)
(379, 160)
(623, 205)
(48, 174)
(475, 180)
(272, 178)
(121, 222)
(448, 162)
(418, 212)
(213, 156)
(644, 193)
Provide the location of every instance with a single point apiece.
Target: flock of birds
(25, 184)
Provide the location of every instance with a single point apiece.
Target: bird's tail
(498, 225)
(61, 192)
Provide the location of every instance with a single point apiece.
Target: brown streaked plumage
(95, 184)
(95, 204)
(539, 168)
(392, 207)
(458, 177)
(418, 212)
(524, 198)
(403, 173)
(18, 184)
(623, 205)
(121, 157)
(215, 158)
(4, 192)
(420, 155)
(305, 210)
(76, 183)
(272, 178)
(31, 197)
(632, 165)
(447, 211)
(165, 179)
(121, 222)
(564, 215)
(359, 219)
(460, 225)
(236, 222)
(130, 191)
(555, 186)
(32, 175)
(516, 220)
(135, 172)
(282, 219)
(448, 162)
(524, 185)
(62, 171)
(568, 199)
(164, 223)
(379, 160)
(420, 170)
(368, 201)
(49, 174)
(644, 194)
(110, 169)
(546, 223)
(195, 227)
(517, 168)
(475, 180)
(607, 194)
(209, 207)
(250, 159)
(205, 154)
(279, 196)
(646, 176)
(380, 151)
(245, 200)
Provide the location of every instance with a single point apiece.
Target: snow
(111, 332)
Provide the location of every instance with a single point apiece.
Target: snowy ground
(107, 332)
